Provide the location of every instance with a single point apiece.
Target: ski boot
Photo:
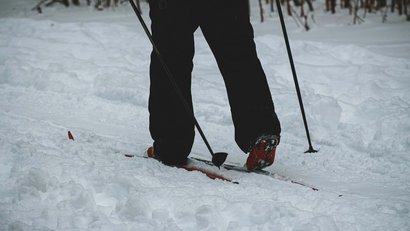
(262, 154)
(150, 153)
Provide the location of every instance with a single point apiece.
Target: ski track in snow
(92, 78)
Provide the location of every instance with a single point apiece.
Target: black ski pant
(226, 27)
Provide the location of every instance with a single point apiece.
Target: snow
(87, 72)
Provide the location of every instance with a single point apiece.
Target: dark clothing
(227, 29)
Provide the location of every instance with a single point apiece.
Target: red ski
(194, 165)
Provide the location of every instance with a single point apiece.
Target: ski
(195, 166)
(213, 174)
(234, 167)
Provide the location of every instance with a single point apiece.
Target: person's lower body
(171, 127)
(226, 27)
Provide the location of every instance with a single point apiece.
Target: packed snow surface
(86, 72)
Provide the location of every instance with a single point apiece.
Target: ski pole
(218, 158)
(295, 79)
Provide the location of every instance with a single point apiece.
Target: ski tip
(70, 135)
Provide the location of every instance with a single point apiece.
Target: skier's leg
(171, 126)
(230, 36)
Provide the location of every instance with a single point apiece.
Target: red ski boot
(263, 152)
(150, 153)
